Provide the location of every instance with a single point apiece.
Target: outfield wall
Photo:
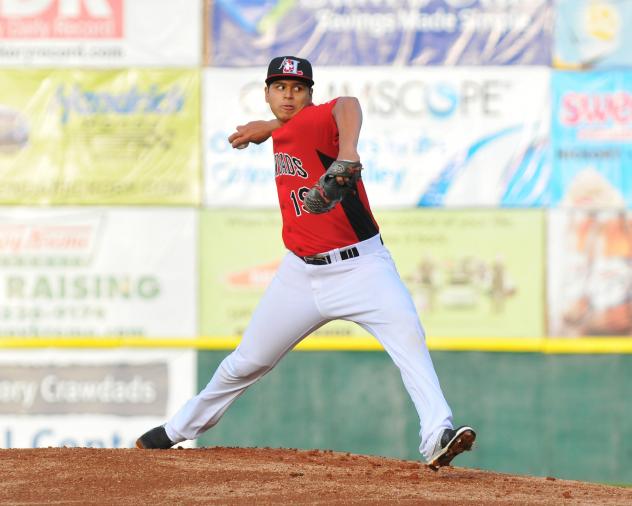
(565, 415)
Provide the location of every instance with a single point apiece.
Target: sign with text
(591, 134)
(98, 272)
(240, 253)
(90, 398)
(382, 32)
(474, 273)
(100, 33)
(471, 274)
(430, 137)
(99, 137)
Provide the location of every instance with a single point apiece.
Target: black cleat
(154, 439)
(450, 444)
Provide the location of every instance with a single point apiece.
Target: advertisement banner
(471, 273)
(100, 33)
(381, 32)
(590, 272)
(461, 136)
(240, 253)
(90, 398)
(591, 134)
(592, 34)
(98, 272)
(99, 137)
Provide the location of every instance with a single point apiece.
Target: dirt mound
(264, 476)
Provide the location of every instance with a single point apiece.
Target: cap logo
(290, 66)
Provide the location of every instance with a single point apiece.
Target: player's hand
(255, 131)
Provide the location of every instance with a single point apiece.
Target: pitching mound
(264, 476)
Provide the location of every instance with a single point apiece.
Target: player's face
(286, 98)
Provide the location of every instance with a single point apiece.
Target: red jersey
(304, 147)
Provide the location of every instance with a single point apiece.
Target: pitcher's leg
(384, 307)
(406, 345)
(284, 316)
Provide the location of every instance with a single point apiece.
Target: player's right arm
(348, 116)
(255, 131)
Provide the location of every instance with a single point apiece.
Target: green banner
(471, 274)
(100, 137)
(474, 273)
(240, 253)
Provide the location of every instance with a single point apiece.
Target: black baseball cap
(290, 67)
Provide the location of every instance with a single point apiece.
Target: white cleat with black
(450, 444)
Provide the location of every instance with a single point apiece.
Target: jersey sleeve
(323, 125)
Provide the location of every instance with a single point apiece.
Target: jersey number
(297, 199)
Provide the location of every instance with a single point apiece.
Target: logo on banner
(596, 108)
(86, 102)
(258, 276)
(61, 19)
(31, 242)
(602, 117)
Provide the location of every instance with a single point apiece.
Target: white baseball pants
(301, 298)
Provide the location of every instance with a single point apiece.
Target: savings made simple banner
(471, 274)
(381, 32)
(591, 139)
(459, 136)
(99, 137)
(100, 33)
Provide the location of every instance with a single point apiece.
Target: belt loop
(349, 253)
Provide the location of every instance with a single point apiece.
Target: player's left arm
(347, 114)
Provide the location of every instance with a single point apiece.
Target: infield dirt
(268, 476)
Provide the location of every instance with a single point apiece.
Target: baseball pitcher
(337, 267)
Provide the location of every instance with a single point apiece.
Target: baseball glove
(327, 192)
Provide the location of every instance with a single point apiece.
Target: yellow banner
(99, 137)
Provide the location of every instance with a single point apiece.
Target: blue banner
(592, 139)
(382, 32)
(592, 34)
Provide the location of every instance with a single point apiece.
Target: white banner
(93, 398)
(96, 271)
(431, 136)
(100, 33)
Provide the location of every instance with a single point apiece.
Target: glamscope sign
(431, 136)
(410, 96)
